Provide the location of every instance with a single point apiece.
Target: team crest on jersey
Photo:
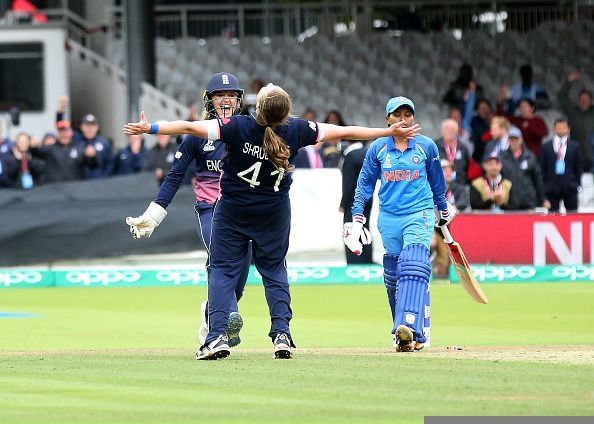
(416, 160)
(388, 162)
(208, 147)
(178, 154)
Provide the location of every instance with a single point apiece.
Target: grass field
(126, 355)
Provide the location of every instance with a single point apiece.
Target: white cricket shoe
(217, 349)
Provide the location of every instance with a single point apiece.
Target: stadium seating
(356, 75)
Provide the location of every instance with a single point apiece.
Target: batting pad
(391, 280)
(414, 270)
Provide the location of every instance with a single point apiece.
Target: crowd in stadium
(497, 154)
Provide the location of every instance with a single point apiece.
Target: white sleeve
(214, 131)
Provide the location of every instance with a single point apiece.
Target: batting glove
(445, 217)
(145, 224)
(355, 235)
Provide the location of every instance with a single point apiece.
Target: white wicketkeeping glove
(445, 217)
(145, 224)
(355, 235)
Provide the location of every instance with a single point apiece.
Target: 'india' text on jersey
(410, 181)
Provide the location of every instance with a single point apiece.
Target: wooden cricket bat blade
(467, 278)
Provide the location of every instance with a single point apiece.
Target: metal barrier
(338, 17)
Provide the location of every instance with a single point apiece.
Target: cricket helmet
(221, 81)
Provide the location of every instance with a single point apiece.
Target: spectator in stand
(64, 160)
(354, 155)
(458, 195)
(580, 117)
(480, 128)
(310, 114)
(449, 148)
(491, 191)
(27, 11)
(249, 99)
(25, 171)
(499, 133)
(463, 133)
(561, 165)
(527, 89)
(463, 93)
(160, 158)
(331, 156)
(48, 139)
(534, 129)
(6, 145)
(521, 167)
(89, 135)
(130, 159)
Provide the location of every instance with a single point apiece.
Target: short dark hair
(584, 90)
(529, 101)
(562, 120)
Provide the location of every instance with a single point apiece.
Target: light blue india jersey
(411, 181)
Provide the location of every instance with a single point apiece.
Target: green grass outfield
(125, 355)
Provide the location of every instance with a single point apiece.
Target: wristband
(154, 129)
(359, 218)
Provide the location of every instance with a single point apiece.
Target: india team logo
(416, 160)
(387, 162)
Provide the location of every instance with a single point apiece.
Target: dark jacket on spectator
(64, 162)
(524, 172)
(458, 195)
(128, 162)
(34, 166)
(160, 158)
(570, 181)
(581, 123)
(480, 194)
(461, 158)
(104, 155)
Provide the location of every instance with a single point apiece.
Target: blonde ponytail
(273, 109)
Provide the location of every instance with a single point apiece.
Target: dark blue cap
(222, 81)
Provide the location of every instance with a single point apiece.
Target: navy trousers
(229, 246)
(203, 227)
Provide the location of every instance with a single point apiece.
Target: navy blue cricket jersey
(208, 156)
(251, 184)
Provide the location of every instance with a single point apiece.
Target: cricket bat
(462, 267)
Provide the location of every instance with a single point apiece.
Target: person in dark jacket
(89, 135)
(561, 163)
(354, 155)
(130, 159)
(452, 150)
(24, 170)
(160, 157)
(491, 191)
(521, 167)
(64, 160)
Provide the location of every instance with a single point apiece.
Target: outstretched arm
(336, 132)
(198, 128)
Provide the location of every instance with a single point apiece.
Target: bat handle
(447, 237)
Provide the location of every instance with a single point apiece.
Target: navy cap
(222, 81)
(514, 132)
(493, 155)
(396, 102)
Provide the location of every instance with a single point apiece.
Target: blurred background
(494, 83)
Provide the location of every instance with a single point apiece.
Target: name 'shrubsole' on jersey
(256, 151)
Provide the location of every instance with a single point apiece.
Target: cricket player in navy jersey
(254, 204)
(222, 99)
(411, 201)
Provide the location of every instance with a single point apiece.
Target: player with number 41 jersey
(254, 204)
